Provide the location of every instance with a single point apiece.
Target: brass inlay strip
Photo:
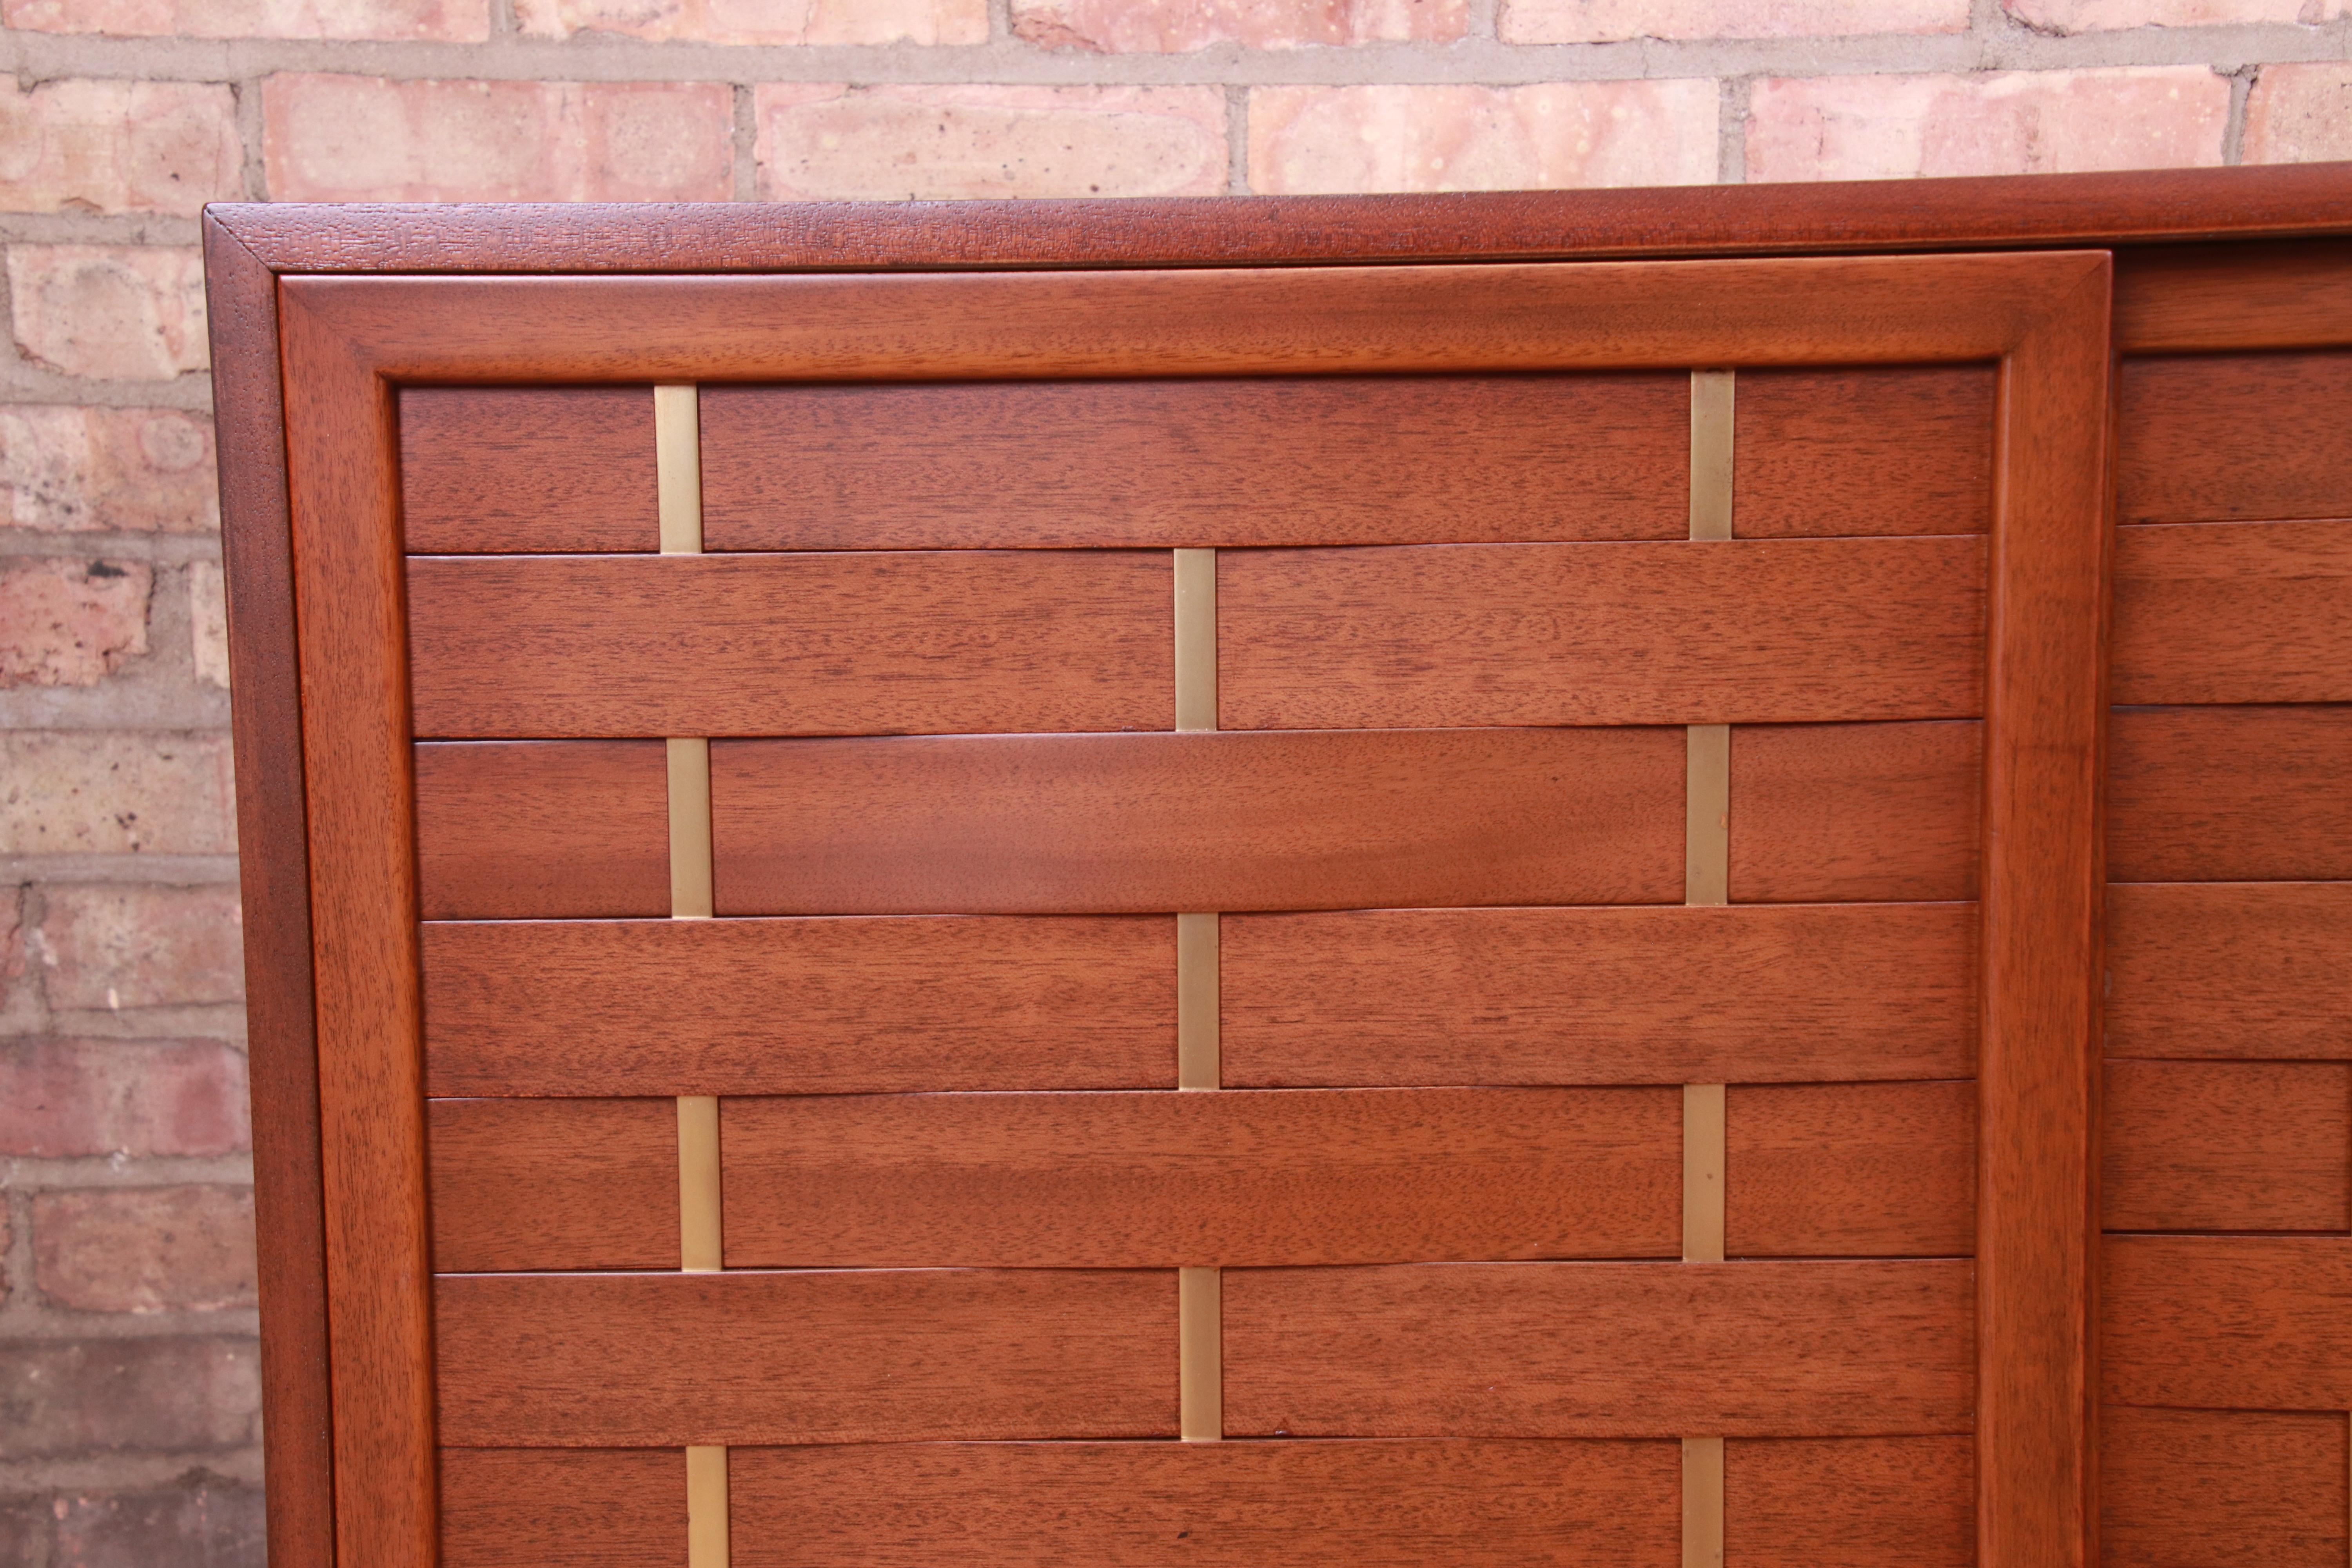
(1196, 639)
(1200, 1354)
(699, 1233)
(690, 828)
(1702, 1503)
(1706, 825)
(1703, 1173)
(1197, 1064)
(1710, 464)
(1200, 1318)
(706, 1507)
(677, 468)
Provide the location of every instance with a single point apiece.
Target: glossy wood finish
(1659, 1350)
(1237, 1179)
(623, 1361)
(1860, 812)
(1743, 631)
(508, 829)
(1874, 1170)
(1322, 460)
(1084, 824)
(2185, 1489)
(2233, 438)
(510, 470)
(2243, 612)
(2222, 969)
(551, 1183)
(2234, 297)
(1220, 1505)
(1876, 450)
(1849, 1502)
(1666, 995)
(2222, 1323)
(567, 1007)
(790, 645)
(2228, 1146)
(2226, 795)
(601, 1508)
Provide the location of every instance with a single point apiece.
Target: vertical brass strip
(677, 468)
(1197, 1065)
(689, 827)
(1702, 1503)
(1200, 1318)
(1710, 464)
(1702, 1173)
(706, 1507)
(1200, 1354)
(699, 1235)
(1196, 639)
(1706, 827)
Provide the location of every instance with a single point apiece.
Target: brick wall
(128, 1398)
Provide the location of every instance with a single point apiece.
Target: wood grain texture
(790, 645)
(1876, 450)
(2242, 294)
(517, 828)
(581, 1508)
(1225, 1505)
(875, 1006)
(1860, 812)
(1664, 994)
(1681, 632)
(1849, 1502)
(2228, 794)
(1238, 1179)
(1876, 1170)
(2233, 612)
(1086, 823)
(2223, 1323)
(661, 1360)
(2228, 1146)
(1657, 1350)
(2241, 437)
(2220, 969)
(1320, 460)
(2186, 1489)
(274, 873)
(510, 470)
(553, 1184)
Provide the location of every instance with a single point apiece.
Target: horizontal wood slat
(620, 1360)
(2227, 1322)
(2220, 969)
(2188, 1488)
(875, 1006)
(1849, 1502)
(2233, 612)
(1597, 1350)
(584, 1507)
(1241, 1505)
(1855, 812)
(1322, 460)
(2227, 794)
(2228, 1145)
(1863, 450)
(2233, 438)
(1851, 1170)
(552, 1183)
(1666, 995)
(1686, 632)
(1237, 1179)
(540, 827)
(527, 469)
(1112, 824)
(791, 645)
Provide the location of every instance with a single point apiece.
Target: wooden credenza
(1634, 878)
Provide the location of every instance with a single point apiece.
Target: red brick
(69, 1397)
(1609, 21)
(2098, 15)
(119, 312)
(144, 1249)
(113, 470)
(459, 21)
(208, 623)
(762, 21)
(118, 147)
(96, 792)
(354, 139)
(1172, 27)
(1549, 136)
(2300, 114)
(62, 1099)
(203, 1522)
(118, 947)
(819, 143)
(2036, 122)
(70, 623)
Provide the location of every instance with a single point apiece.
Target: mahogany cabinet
(1632, 877)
